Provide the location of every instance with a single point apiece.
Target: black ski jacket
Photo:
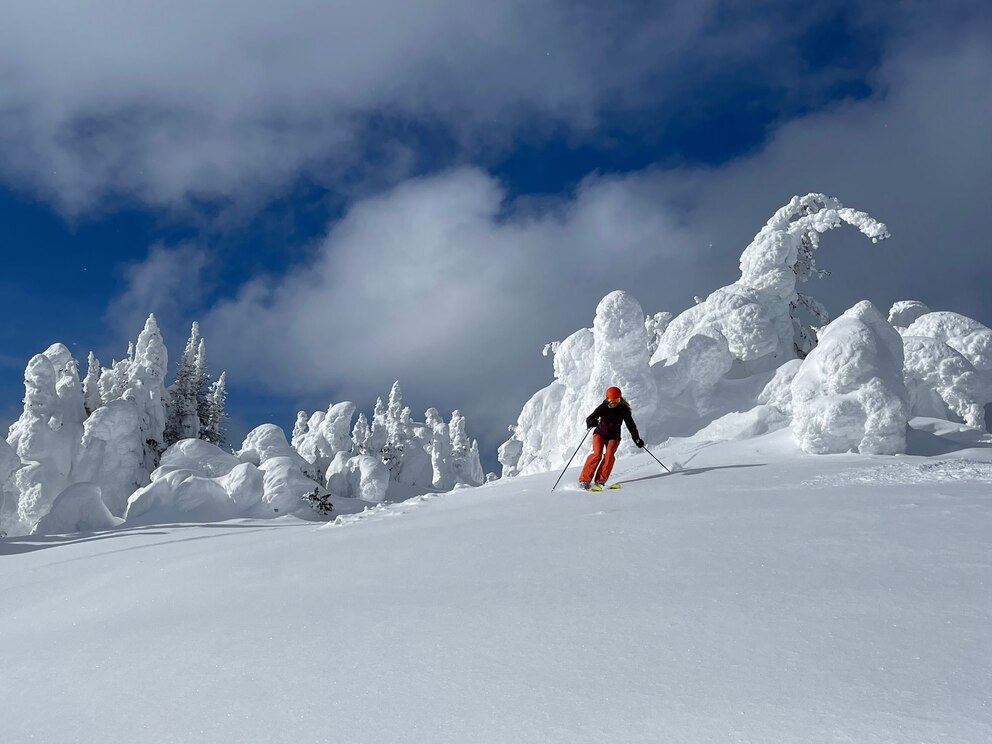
(607, 420)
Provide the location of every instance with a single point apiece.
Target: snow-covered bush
(849, 393)
(963, 334)
(361, 476)
(319, 438)
(199, 482)
(79, 508)
(944, 384)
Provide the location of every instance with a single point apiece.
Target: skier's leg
(609, 458)
(589, 469)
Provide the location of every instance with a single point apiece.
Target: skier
(605, 440)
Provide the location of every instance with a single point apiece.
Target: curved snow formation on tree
(753, 313)
(849, 394)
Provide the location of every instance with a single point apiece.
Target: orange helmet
(612, 393)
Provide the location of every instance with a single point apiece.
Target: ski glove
(639, 443)
(590, 423)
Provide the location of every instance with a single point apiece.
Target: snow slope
(760, 595)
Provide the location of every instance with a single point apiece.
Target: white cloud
(233, 99)
(442, 284)
(168, 282)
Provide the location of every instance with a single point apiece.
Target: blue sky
(348, 195)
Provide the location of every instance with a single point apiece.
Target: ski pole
(657, 460)
(571, 458)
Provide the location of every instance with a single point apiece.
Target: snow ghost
(849, 393)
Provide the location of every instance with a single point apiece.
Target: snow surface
(760, 595)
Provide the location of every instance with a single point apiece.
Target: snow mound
(849, 393)
(79, 508)
(778, 391)
(968, 337)
(198, 457)
(744, 425)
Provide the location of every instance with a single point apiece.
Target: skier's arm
(593, 418)
(628, 419)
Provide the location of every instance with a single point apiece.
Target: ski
(611, 487)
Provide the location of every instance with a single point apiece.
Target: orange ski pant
(599, 464)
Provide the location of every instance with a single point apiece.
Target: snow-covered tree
(216, 411)
(755, 313)
(44, 442)
(849, 393)
(203, 383)
(322, 436)
(146, 388)
(944, 384)
(183, 412)
(299, 430)
(440, 450)
(360, 436)
(464, 453)
(91, 385)
(656, 325)
(112, 455)
(9, 464)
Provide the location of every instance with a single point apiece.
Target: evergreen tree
(204, 411)
(149, 363)
(807, 313)
(213, 430)
(183, 420)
